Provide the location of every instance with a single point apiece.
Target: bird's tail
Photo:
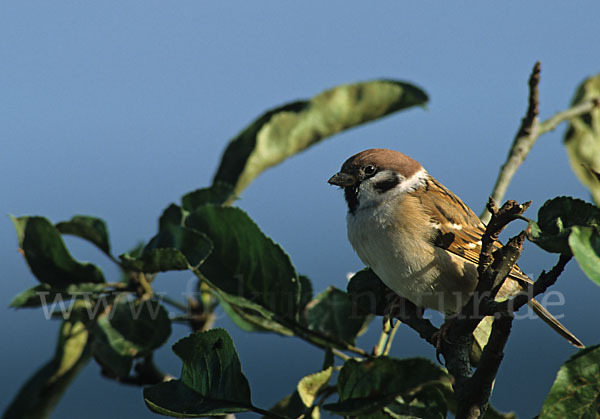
(553, 323)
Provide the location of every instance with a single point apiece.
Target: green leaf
(249, 317)
(309, 386)
(156, 260)
(576, 389)
(172, 216)
(582, 138)
(557, 217)
(219, 193)
(48, 257)
(211, 383)
(193, 245)
(291, 406)
(368, 293)
(174, 247)
(43, 294)
(332, 313)
(585, 245)
(329, 360)
(92, 229)
(367, 386)
(40, 394)
(292, 128)
(131, 329)
(306, 291)
(430, 403)
(246, 263)
(178, 400)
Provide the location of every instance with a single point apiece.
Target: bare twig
(509, 212)
(522, 143)
(172, 302)
(551, 123)
(544, 281)
(494, 266)
(529, 131)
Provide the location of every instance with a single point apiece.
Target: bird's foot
(394, 309)
(440, 337)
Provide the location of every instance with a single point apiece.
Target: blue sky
(116, 109)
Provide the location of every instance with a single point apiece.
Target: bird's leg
(393, 309)
(441, 336)
(399, 307)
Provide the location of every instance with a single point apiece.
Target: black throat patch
(388, 183)
(351, 194)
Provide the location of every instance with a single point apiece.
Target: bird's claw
(440, 337)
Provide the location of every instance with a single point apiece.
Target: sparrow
(419, 238)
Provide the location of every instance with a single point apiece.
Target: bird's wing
(459, 231)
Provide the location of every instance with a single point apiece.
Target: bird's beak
(342, 179)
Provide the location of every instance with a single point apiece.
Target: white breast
(398, 251)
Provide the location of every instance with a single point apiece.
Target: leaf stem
(265, 413)
(392, 334)
(172, 302)
(383, 338)
(114, 260)
(551, 123)
(310, 336)
(340, 354)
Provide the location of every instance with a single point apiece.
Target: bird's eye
(369, 170)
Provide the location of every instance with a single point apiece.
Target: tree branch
(529, 132)
(412, 316)
(476, 402)
(551, 123)
(544, 281)
(493, 269)
(473, 389)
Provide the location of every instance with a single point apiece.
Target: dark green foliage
(219, 193)
(367, 292)
(129, 330)
(47, 256)
(332, 314)
(245, 263)
(211, 382)
(557, 217)
(570, 226)
(175, 247)
(406, 385)
(576, 389)
(291, 406)
(92, 229)
(45, 294)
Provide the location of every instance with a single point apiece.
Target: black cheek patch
(387, 184)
